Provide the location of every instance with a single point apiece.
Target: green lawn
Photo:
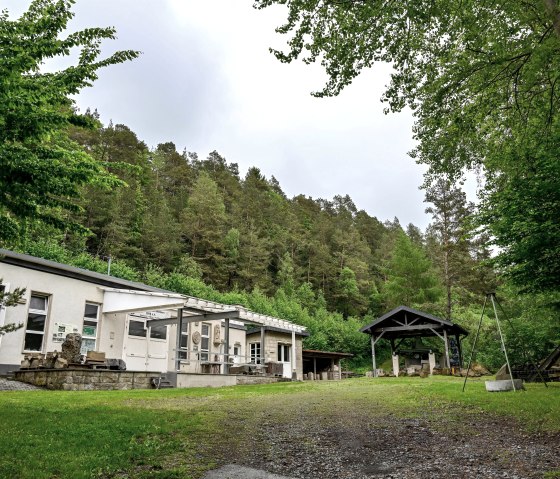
(175, 433)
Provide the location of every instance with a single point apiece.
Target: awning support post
(226, 348)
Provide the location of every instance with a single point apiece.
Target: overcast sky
(206, 81)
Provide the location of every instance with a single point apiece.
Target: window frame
(96, 322)
(283, 352)
(183, 353)
(44, 313)
(143, 322)
(204, 354)
(5, 287)
(255, 356)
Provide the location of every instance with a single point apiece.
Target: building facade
(148, 328)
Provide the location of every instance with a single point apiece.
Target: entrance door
(284, 351)
(146, 347)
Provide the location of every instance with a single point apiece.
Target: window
(4, 288)
(204, 342)
(158, 332)
(136, 328)
(255, 349)
(184, 341)
(283, 353)
(90, 328)
(36, 323)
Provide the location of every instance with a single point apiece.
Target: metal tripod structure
(495, 302)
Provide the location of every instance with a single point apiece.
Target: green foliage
(481, 80)
(9, 299)
(41, 170)
(410, 280)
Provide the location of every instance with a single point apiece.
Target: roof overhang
(130, 301)
(313, 353)
(196, 309)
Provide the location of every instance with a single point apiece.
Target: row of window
(37, 320)
(283, 353)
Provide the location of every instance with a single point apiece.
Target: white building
(134, 322)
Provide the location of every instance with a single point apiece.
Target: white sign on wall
(61, 330)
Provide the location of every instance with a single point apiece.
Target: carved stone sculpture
(71, 348)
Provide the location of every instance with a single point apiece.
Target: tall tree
(482, 82)
(41, 170)
(203, 224)
(410, 279)
(450, 215)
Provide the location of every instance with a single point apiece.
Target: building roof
(314, 353)
(403, 322)
(60, 269)
(120, 291)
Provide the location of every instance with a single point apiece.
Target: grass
(176, 433)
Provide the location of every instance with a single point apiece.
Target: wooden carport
(404, 322)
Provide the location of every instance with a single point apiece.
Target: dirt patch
(303, 440)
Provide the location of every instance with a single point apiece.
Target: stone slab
(233, 471)
(503, 385)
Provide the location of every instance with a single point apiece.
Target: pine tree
(450, 214)
(411, 280)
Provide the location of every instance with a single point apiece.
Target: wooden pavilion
(403, 322)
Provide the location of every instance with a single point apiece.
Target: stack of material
(274, 369)
(96, 360)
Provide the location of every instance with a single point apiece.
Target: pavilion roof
(404, 322)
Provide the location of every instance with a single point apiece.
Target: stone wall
(191, 380)
(86, 379)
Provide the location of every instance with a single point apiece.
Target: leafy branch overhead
(41, 170)
(481, 79)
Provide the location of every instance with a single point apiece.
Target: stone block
(60, 363)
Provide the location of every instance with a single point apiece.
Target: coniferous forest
(83, 193)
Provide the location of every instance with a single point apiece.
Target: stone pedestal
(432, 362)
(396, 365)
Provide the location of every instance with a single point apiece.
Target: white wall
(67, 298)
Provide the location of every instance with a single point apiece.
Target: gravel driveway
(318, 438)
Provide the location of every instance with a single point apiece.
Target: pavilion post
(446, 341)
(294, 358)
(373, 356)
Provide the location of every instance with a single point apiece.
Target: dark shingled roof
(397, 323)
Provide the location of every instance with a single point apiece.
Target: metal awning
(130, 301)
(194, 309)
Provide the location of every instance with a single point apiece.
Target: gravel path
(9, 385)
(301, 440)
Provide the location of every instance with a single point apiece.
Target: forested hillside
(76, 191)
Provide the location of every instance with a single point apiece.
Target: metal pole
(179, 332)
(294, 358)
(475, 341)
(502, 340)
(261, 355)
(226, 348)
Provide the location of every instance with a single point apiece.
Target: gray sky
(206, 81)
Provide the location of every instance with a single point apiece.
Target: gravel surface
(10, 385)
(355, 445)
